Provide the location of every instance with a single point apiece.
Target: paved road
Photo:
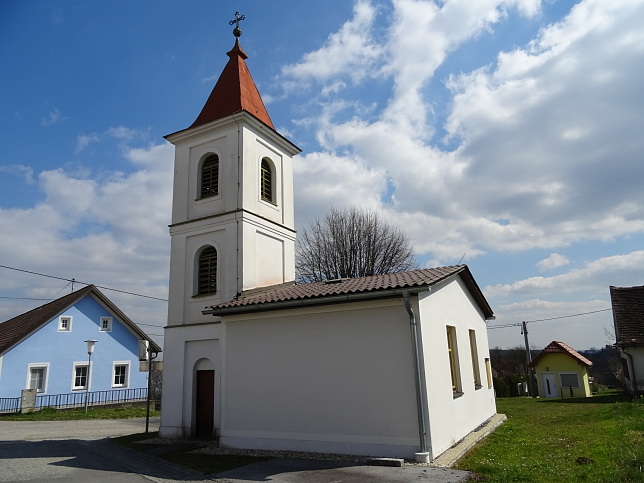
(78, 451)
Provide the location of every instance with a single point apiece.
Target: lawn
(53, 414)
(598, 439)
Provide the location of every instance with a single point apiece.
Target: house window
(37, 377)
(207, 271)
(121, 374)
(266, 186)
(106, 324)
(209, 177)
(80, 376)
(65, 323)
(570, 380)
(475, 360)
(453, 360)
(488, 371)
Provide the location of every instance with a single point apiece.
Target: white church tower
(232, 229)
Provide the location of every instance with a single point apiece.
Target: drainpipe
(632, 374)
(421, 392)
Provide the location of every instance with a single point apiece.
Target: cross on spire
(238, 18)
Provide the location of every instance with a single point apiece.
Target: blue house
(45, 349)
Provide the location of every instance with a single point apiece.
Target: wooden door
(205, 407)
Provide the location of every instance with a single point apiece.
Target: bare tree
(351, 243)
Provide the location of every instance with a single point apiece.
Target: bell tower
(232, 209)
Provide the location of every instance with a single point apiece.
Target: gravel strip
(213, 448)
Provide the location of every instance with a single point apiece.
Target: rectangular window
(106, 324)
(65, 323)
(488, 371)
(37, 377)
(80, 376)
(121, 373)
(570, 380)
(475, 360)
(453, 360)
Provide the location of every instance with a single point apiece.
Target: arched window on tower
(207, 271)
(209, 177)
(266, 186)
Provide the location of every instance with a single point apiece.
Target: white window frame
(108, 325)
(38, 365)
(578, 386)
(454, 362)
(65, 318)
(475, 360)
(88, 378)
(127, 365)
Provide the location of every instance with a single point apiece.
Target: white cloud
(110, 232)
(555, 260)
(84, 140)
(54, 117)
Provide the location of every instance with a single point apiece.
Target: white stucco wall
(336, 378)
(635, 367)
(452, 418)
(187, 348)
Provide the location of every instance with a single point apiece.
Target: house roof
(628, 314)
(340, 290)
(556, 347)
(15, 330)
(234, 91)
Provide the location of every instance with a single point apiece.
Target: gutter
(424, 456)
(309, 302)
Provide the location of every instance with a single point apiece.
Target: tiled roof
(14, 330)
(559, 347)
(324, 292)
(628, 314)
(234, 91)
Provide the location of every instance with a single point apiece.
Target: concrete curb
(449, 458)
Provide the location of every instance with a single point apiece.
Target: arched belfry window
(207, 271)
(267, 185)
(209, 177)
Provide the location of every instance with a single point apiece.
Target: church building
(392, 365)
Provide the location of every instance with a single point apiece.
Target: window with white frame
(570, 380)
(475, 360)
(37, 376)
(452, 349)
(488, 371)
(65, 323)
(121, 374)
(80, 376)
(106, 324)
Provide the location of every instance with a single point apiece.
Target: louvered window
(210, 177)
(267, 181)
(207, 282)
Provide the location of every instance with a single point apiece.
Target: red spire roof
(235, 91)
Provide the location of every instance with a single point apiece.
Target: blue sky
(503, 133)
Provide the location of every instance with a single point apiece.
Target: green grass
(53, 414)
(599, 439)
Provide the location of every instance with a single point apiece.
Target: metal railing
(77, 399)
(9, 404)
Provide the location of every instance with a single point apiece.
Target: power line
(84, 283)
(505, 326)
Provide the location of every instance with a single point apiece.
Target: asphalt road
(78, 451)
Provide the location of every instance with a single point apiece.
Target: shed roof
(628, 314)
(13, 331)
(556, 347)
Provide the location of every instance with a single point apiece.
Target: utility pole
(528, 355)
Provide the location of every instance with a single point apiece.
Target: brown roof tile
(628, 314)
(322, 291)
(559, 347)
